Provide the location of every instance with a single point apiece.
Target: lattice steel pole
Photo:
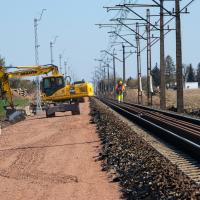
(108, 76)
(104, 78)
(138, 64)
(65, 64)
(51, 48)
(179, 73)
(60, 62)
(51, 52)
(114, 73)
(162, 60)
(124, 64)
(38, 98)
(149, 79)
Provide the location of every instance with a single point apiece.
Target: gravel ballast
(142, 172)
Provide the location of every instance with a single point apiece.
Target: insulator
(186, 10)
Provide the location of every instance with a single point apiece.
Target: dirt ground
(191, 98)
(53, 158)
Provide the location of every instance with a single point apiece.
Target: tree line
(15, 83)
(190, 74)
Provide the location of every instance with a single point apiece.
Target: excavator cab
(51, 84)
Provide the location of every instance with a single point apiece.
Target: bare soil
(191, 98)
(53, 158)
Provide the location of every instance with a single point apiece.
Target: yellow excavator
(56, 95)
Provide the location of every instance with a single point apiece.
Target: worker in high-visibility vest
(120, 89)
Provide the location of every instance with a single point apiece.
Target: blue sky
(79, 38)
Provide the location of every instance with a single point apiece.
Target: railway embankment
(142, 171)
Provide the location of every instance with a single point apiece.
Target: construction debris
(16, 115)
(21, 91)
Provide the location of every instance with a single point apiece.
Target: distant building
(191, 85)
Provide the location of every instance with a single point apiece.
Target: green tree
(2, 61)
(170, 70)
(132, 83)
(156, 75)
(190, 74)
(30, 85)
(198, 73)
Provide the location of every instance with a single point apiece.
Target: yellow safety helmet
(120, 82)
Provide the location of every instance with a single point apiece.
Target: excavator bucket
(13, 115)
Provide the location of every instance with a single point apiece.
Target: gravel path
(53, 158)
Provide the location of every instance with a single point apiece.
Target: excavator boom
(24, 71)
(34, 71)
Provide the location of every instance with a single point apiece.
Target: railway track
(181, 133)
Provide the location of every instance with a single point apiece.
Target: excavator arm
(24, 71)
(34, 71)
(5, 90)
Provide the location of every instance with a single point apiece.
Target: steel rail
(167, 113)
(164, 122)
(187, 121)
